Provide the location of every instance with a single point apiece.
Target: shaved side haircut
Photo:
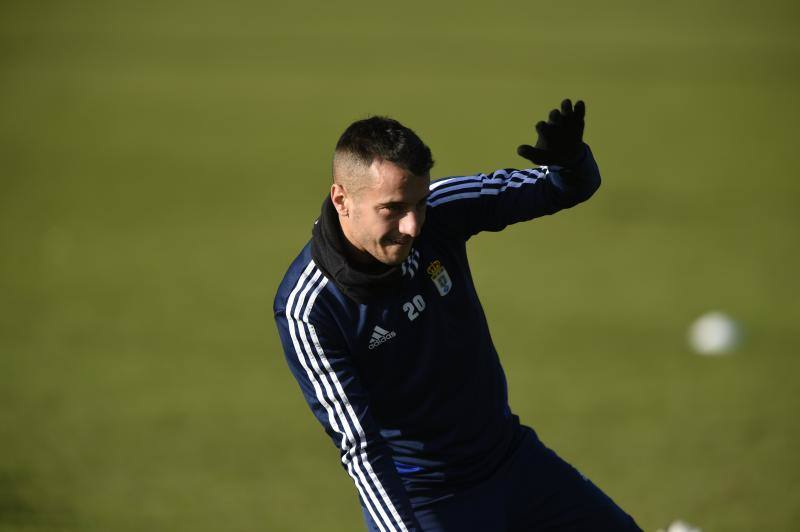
(377, 137)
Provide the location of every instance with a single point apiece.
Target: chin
(395, 255)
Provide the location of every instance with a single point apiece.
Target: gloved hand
(560, 139)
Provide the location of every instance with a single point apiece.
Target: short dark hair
(386, 138)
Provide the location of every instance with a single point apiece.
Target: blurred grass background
(161, 163)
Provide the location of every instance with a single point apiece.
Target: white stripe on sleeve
(476, 185)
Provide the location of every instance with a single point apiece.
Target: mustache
(399, 240)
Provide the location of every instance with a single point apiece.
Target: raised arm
(331, 386)
(467, 205)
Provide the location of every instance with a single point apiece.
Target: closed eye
(393, 207)
(399, 207)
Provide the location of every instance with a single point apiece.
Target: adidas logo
(379, 336)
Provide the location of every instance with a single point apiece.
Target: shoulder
(299, 274)
(449, 204)
(305, 292)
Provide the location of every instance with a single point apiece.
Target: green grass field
(162, 163)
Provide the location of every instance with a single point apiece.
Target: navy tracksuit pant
(534, 490)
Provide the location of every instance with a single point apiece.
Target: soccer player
(382, 328)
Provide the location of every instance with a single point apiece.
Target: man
(383, 330)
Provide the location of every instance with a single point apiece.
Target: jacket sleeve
(330, 384)
(467, 205)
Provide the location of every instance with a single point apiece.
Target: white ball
(714, 333)
(681, 526)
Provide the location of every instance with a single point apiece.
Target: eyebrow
(397, 203)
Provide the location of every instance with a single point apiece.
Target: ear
(339, 198)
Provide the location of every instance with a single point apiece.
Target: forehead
(391, 182)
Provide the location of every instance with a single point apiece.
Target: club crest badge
(440, 277)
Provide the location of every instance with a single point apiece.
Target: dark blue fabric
(533, 490)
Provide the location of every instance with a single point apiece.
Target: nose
(410, 224)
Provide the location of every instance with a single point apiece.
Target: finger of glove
(574, 121)
(535, 155)
(566, 107)
(555, 117)
(547, 134)
(580, 109)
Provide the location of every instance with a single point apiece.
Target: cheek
(372, 226)
(385, 231)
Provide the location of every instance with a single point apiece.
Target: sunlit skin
(381, 220)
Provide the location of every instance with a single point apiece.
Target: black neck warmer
(360, 283)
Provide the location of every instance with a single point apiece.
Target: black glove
(560, 139)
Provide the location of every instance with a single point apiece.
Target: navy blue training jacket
(409, 387)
